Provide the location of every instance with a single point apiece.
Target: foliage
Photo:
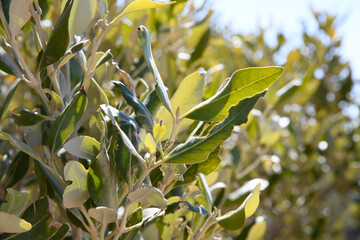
(84, 156)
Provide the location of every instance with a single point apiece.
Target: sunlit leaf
(12, 224)
(139, 5)
(205, 167)
(83, 147)
(236, 219)
(82, 13)
(257, 231)
(149, 144)
(76, 193)
(242, 84)
(188, 94)
(158, 132)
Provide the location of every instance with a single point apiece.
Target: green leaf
(205, 167)
(83, 12)
(7, 64)
(102, 178)
(16, 203)
(139, 5)
(242, 84)
(51, 173)
(257, 231)
(17, 170)
(12, 224)
(143, 116)
(197, 149)
(9, 95)
(64, 125)
(76, 193)
(42, 222)
(160, 88)
(59, 39)
(103, 215)
(83, 147)
(205, 197)
(26, 117)
(188, 94)
(148, 195)
(19, 15)
(135, 218)
(235, 220)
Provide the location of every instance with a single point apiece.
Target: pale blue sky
(287, 16)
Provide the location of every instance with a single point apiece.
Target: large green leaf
(143, 115)
(54, 178)
(41, 219)
(17, 170)
(64, 125)
(83, 147)
(242, 84)
(160, 88)
(7, 64)
(197, 149)
(10, 223)
(16, 203)
(76, 193)
(187, 95)
(26, 117)
(205, 167)
(101, 179)
(235, 220)
(59, 39)
(9, 94)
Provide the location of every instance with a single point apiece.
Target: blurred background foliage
(304, 136)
